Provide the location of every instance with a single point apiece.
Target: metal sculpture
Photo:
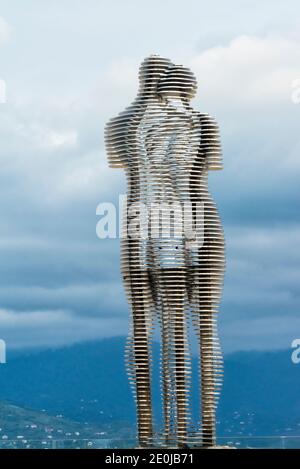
(172, 265)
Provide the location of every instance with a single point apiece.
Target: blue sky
(69, 66)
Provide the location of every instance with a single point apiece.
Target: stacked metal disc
(173, 249)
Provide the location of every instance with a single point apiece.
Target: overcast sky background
(71, 65)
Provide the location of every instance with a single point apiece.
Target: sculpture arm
(210, 142)
(114, 145)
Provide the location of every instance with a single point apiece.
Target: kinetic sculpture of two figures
(172, 276)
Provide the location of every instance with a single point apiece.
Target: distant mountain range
(88, 383)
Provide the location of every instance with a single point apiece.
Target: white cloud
(260, 333)
(42, 137)
(54, 328)
(265, 240)
(53, 138)
(5, 31)
(105, 299)
(263, 269)
(250, 72)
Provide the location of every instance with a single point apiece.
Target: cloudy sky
(68, 67)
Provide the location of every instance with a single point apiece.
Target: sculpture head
(151, 69)
(178, 82)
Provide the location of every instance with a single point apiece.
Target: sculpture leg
(208, 404)
(139, 353)
(207, 281)
(173, 294)
(166, 375)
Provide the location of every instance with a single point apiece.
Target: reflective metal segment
(172, 258)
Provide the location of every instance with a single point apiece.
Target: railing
(243, 442)
(283, 442)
